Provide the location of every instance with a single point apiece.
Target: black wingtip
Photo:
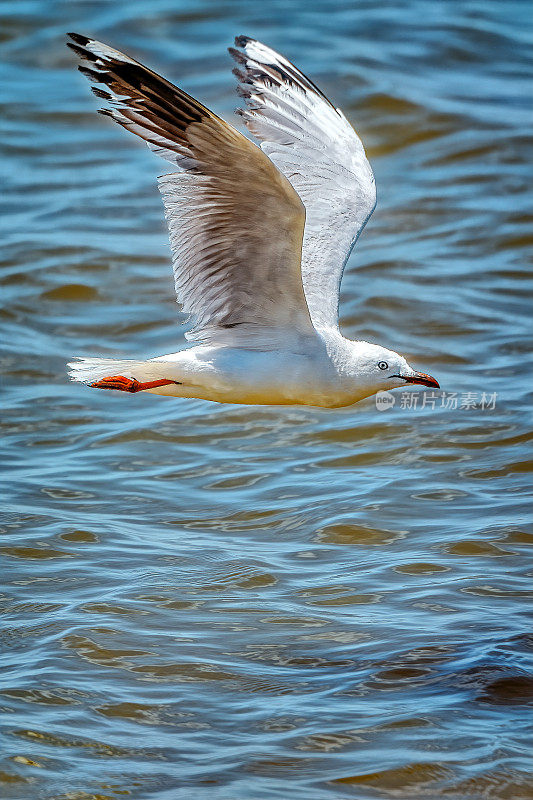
(242, 41)
(237, 55)
(101, 93)
(79, 38)
(81, 52)
(239, 74)
(89, 73)
(242, 91)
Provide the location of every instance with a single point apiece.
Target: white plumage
(316, 148)
(259, 237)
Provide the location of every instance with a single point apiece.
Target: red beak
(422, 378)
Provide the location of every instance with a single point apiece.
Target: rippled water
(241, 603)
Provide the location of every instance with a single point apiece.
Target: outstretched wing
(236, 224)
(317, 149)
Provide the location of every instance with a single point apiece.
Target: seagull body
(259, 236)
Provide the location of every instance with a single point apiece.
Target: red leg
(122, 384)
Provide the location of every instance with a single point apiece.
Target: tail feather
(89, 370)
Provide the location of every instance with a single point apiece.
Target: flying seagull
(259, 236)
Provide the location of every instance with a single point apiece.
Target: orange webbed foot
(122, 384)
(118, 382)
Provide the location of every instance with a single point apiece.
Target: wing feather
(235, 222)
(319, 152)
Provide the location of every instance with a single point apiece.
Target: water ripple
(248, 603)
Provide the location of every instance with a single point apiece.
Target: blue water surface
(239, 603)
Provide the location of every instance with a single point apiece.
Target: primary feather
(235, 222)
(319, 152)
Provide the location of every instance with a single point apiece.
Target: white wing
(236, 224)
(316, 148)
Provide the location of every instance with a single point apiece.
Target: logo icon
(384, 401)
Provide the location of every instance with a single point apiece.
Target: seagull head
(379, 369)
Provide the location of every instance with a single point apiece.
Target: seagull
(259, 236)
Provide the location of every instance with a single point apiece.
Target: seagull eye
(383, 365)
